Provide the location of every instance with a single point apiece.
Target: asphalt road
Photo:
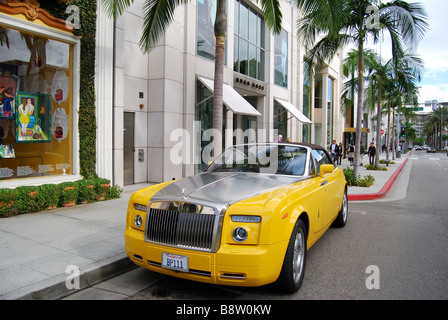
(395, 248)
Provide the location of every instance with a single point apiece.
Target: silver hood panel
(220, 189)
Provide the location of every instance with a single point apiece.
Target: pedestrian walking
(351, 153)
(340, 150)
(334, 151)
(372, 153)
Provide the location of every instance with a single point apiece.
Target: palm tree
(349, 21)
(158, 14)
(394, 84)
(435, 122)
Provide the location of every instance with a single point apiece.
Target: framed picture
(9, 83)
(33, 117)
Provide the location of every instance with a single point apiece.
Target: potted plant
(8, 202)
(102, 187)
(86, 191)
(68, 194)
(48, 196)
(27, 199)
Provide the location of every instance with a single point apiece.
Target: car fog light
(138, 220)
(239, 234)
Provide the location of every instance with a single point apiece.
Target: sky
(433, 49)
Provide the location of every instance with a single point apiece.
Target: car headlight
(244, 229)
(140, 207)
(239, 234)
(246, 219)
(138, 221)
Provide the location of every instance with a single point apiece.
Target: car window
(321, 157)
(273, 159)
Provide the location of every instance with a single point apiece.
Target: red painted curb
(386, 188)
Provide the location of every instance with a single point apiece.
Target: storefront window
(35, 105)
(204, 117)
(281, 59)
(280, 122)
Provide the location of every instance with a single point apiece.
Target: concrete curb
(386, 188)
(55, 288)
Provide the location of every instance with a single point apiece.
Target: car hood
(219, 189)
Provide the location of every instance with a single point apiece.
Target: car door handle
(324, 182)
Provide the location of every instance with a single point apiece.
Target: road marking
(361, 212)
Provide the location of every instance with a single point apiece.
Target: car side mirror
(325, 168)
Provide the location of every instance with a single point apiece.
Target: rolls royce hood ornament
(184, 194)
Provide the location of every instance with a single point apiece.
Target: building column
(104, 94)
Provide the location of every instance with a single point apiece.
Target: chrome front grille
(175, 228)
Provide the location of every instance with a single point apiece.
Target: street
(394, 248)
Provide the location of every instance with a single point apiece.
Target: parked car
(431, 149)
(248, 220)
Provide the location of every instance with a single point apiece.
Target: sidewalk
(37, 248)
(384, 180)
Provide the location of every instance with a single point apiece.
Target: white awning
(232, 99)
(295, 112)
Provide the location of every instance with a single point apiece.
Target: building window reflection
(249, 47)
(281, 59)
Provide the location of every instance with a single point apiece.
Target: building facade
(165, 97)
(154, 110)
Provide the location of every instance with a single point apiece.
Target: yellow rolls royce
(247, 220)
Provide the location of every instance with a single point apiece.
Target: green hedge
(87, 124)
(29, 199)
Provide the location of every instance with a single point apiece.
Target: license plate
(174, 262)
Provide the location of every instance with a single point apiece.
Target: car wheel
(341, 219)
(293, 270)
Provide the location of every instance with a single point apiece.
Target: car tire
(341, 219)
(293, 269)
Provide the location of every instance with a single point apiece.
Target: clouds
(433, 49)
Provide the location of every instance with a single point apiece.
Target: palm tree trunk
(393, 135)
(378, 129)
(388, 133)
(359, 106)
(220, 36)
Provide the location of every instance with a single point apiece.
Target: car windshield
(272, 159)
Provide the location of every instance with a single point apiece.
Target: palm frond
(158, 14)
(410, 20)
(115, 8)
(272, 14)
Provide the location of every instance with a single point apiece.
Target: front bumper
(235, 265)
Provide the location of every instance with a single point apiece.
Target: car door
(330, 187)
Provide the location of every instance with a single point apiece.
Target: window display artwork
(7, 151)
(9, 83)
(60, 124)
(60, 87)
(33, 117)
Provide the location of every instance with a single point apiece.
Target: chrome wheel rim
(344, 207)
(299, 255)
